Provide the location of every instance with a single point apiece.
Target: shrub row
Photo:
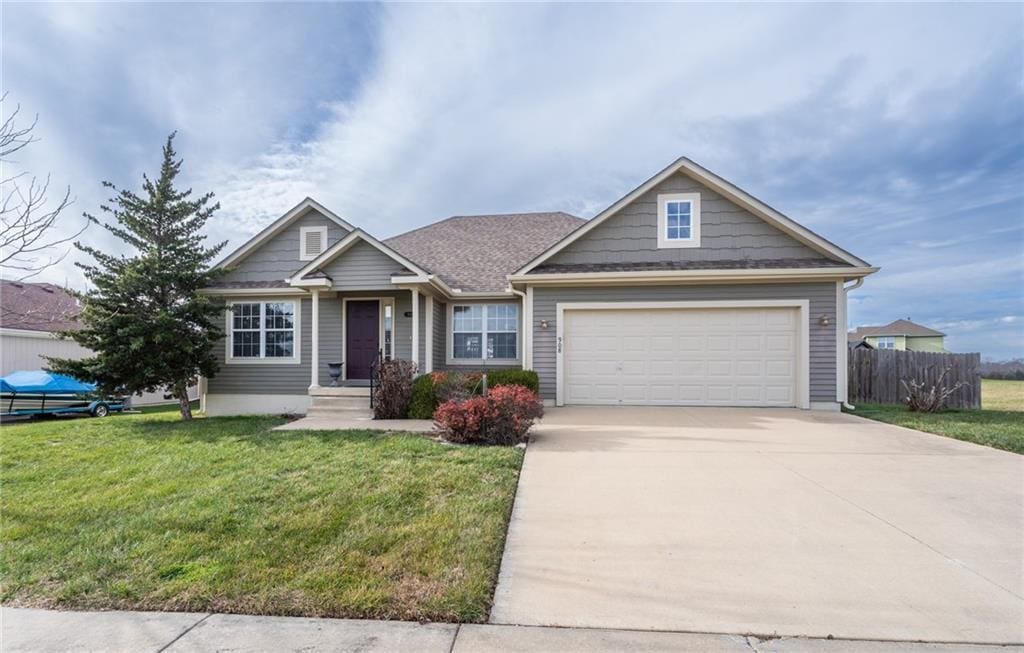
(431, 390)
(503, 417)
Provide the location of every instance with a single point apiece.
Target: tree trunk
(181, 390)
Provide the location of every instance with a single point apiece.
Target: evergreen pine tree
(144, 318)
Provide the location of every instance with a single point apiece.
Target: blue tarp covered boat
(37, 392)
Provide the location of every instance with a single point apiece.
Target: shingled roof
(474, 252)
(37, 307)
(896, 328)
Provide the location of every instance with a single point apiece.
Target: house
(31, 314)
(686, 291)
(902, 335)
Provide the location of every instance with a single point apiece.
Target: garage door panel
(742, 356)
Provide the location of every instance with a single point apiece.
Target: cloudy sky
(896, 131)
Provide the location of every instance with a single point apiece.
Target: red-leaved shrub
(504, 416)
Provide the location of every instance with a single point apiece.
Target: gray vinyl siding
(270, 378)
(331, 345)
(821, 297)
(440, 333)
(727, 232)
(278, 258)
(362, 267)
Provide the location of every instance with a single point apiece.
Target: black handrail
(374, 373)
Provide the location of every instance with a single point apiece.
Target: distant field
(1002, 395)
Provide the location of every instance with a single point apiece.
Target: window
(485, 332)
(388, 331)
(312, 242)
(263, 330)
(886, 342)
(679, 220)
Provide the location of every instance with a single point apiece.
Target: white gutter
(527, 356)
(846, 289)
(682, 276)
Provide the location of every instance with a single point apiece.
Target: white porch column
(415, 326)
(428, 363)
(314, 356)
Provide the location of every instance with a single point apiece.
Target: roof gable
(309, 275)
(722, 188)
(295, 213)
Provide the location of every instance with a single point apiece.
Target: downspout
(527, 326)
(846, 289)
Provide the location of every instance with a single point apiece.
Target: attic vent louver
(312, 242)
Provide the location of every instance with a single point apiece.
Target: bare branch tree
(29, 239)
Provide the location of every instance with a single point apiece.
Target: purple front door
(362, 337)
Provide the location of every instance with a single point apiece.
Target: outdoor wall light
(824, 320)
(543, 324)
(408, 313)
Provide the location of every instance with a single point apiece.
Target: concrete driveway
(764, 521)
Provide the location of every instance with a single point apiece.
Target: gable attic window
(312, 242)
(679, 220)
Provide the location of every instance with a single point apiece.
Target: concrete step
(327, 391)
(346, 415)
(342, 403)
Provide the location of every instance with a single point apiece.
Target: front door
(362, 337)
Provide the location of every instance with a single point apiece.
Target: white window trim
(888, 339)
(478, 362)
(803, 366)
(694, 240)
(296, 356)
(303, 234)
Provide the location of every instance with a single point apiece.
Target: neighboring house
(686, 291)
(31, 314)
(902, 335)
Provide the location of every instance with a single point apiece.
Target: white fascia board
(683, 276)
(717, 184)
(29, 333)
(275, 227)
(250, 292)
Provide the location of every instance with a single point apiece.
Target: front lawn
(1002, 429)
(144, 512)
(997, 394)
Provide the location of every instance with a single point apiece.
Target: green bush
(526, 378)
(424, 401)
(431, 390)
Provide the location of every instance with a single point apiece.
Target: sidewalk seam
(183, 633)
(455, 638)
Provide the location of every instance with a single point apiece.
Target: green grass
(1002, 395)
(1002, 429)
(146, 512)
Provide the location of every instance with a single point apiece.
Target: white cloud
(404, 114)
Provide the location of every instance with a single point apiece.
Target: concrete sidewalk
(42, 631)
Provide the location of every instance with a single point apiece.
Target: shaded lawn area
(145, 512)
(997, 394)
(1001, 429)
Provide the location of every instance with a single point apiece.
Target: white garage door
(685, 357)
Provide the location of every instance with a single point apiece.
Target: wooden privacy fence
(874, 375)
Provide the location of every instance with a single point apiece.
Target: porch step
(339, 413)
